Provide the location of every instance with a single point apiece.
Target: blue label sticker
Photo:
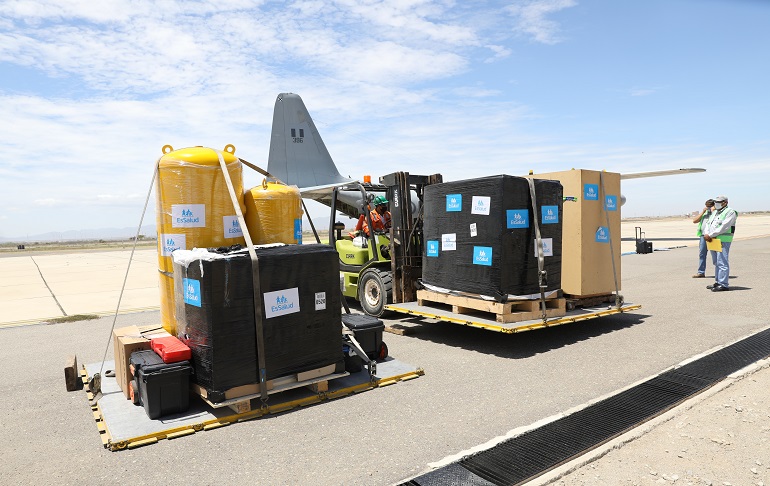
(454, 202)
(298, 230)
(192, 292)
(602, 235)
(550, 214)
(591, 192)
(482, 255)
(611, 203)
(517, 218)
(431, 248)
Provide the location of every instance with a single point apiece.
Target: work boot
(719, 288)
(699, 275)
(711, 287)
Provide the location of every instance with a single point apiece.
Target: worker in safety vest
(359, 225)
(701, 220)
(380, 216)
(721, 226)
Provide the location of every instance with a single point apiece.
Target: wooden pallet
(239, 398)
(513, 311)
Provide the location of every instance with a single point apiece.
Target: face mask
(719, 205)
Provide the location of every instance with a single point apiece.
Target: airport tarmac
(41, 286)
(478, 385)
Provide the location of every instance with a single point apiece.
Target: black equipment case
(368, 332)
(164, 388)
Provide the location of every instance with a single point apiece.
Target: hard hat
(379, 200)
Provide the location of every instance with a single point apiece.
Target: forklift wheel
(383, 352)
(134, 392)
(375, 291)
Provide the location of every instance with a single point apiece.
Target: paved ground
(478, 386)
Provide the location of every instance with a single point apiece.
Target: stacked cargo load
(480, 237)
(300, 306)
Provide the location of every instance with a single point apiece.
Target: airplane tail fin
(298, 156)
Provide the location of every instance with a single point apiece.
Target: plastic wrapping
(194, 209)
(274, 213)
(300, 303)
(480, 236)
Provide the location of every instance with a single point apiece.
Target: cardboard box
(125, 341)
(591, 231)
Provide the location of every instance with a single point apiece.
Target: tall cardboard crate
(588, 241)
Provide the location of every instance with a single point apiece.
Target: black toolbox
(368, 332)
(163, 388)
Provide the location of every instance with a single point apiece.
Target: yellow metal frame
(526, 326)
(205, 425)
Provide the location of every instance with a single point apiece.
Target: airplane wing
(658, 173)
(319, 192)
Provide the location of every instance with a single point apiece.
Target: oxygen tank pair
(194, 210)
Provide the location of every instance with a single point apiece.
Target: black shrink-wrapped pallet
(480, 236)
(300, 298)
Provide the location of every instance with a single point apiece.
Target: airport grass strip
(537, 451)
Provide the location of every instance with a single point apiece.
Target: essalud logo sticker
(454, 202)
(192, 291)
(550, 214)
(517, 218)
(281, 302)
(602, 235)
(482, 255)
(591, 192)
(431, 248)
(171, 242)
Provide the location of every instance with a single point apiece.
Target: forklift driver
(380, 216)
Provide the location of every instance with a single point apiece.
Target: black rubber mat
(537, 451)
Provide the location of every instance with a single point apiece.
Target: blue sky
(91, 91)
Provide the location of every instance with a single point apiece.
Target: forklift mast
(406, 237)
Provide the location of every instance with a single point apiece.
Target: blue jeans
(721, 262)
(702, 252)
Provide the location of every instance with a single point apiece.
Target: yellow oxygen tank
(194, 210)
(274, 213)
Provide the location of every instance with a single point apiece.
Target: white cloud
(532, 19)
(153, 49)
(500, 52)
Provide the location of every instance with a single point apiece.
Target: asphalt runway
(478, 386)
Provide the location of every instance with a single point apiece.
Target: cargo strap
(262, 372)
(542, 275)
(97, 377)
(371, 365)
(618, 298)
(256, 168)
